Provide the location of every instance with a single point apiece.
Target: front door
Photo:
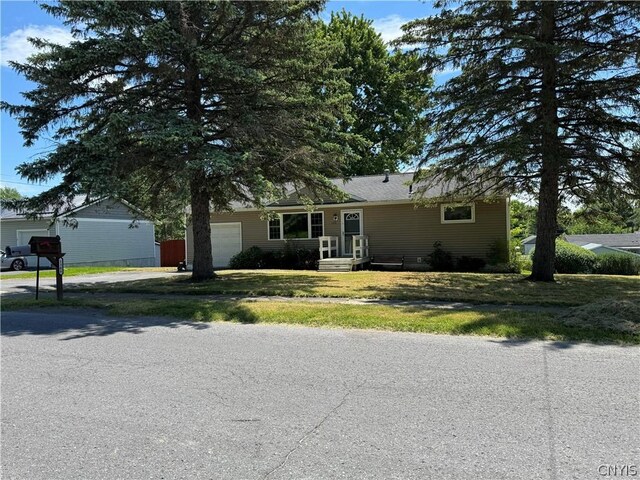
(351, 224)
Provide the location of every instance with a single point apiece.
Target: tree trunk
(200, 214)
(548, 201)
(200, 221)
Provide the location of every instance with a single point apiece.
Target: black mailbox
(46, 245)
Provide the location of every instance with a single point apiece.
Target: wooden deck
(341, 264)
(331, 262)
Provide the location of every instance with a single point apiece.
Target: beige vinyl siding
(108, 242)
(405, 230)
(9, 230)
(395, 229)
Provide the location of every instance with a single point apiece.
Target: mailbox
(51, 249)
(46, 245)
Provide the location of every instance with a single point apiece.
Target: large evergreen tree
(218, 96)
(547, 101)
(389, 96)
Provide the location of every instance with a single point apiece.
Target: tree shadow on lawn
(519, 331)
(90, 322)
(259, 282)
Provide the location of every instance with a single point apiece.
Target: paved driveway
(10, 286)
(88, 397)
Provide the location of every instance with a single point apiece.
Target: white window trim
(444, 206)
(309, 237)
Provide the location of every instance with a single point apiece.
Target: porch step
(335, 268)
(335, 265)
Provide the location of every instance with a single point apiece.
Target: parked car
(14, 263)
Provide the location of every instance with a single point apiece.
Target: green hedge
(571, 258)
(250, 258)
(288, 258)
(618, 264)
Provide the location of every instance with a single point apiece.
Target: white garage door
(25, 235)
(226, 241)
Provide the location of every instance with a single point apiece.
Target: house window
(274, 229)
(458, 213)
(317, 228)
(296, 226)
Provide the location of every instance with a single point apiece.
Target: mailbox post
(51, 249)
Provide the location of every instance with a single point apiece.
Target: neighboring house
(598, 243)
(380, 210)
(528, 244)
(629, 242)
(108, 232)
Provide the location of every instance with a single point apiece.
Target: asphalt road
(92, 397)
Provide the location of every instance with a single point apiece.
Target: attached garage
(226, 241)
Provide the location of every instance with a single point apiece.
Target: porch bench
(387, 261)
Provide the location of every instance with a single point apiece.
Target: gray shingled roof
(373, 188)
(609, 239)
(77, 202)
(369, 188)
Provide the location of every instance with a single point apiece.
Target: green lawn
(496, 323)
(69, 272)
(569, 290)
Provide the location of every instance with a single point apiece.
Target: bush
(249, 258)
(618, 264)
(288, 258)
(522, 262)
(505, 257)
(440, 259)
(470, 264)
(298, 258)
(573, 259)
(501, 268)
(498, 252)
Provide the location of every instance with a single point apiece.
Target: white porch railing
(328, 247)
(360, 246)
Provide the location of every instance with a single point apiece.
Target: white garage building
(104, 232)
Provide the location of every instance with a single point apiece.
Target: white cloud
(16, 47)
(389, 27)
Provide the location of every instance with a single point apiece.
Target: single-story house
(107, 232)
(379, 219)
(598, 243)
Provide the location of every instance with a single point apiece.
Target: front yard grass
(69, 272)
(486, 322)
(569, 290)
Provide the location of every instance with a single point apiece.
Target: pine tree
(547, 102)
(219, 96)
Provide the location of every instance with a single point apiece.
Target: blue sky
(21, 19)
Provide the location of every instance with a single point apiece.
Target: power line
(23, 183)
